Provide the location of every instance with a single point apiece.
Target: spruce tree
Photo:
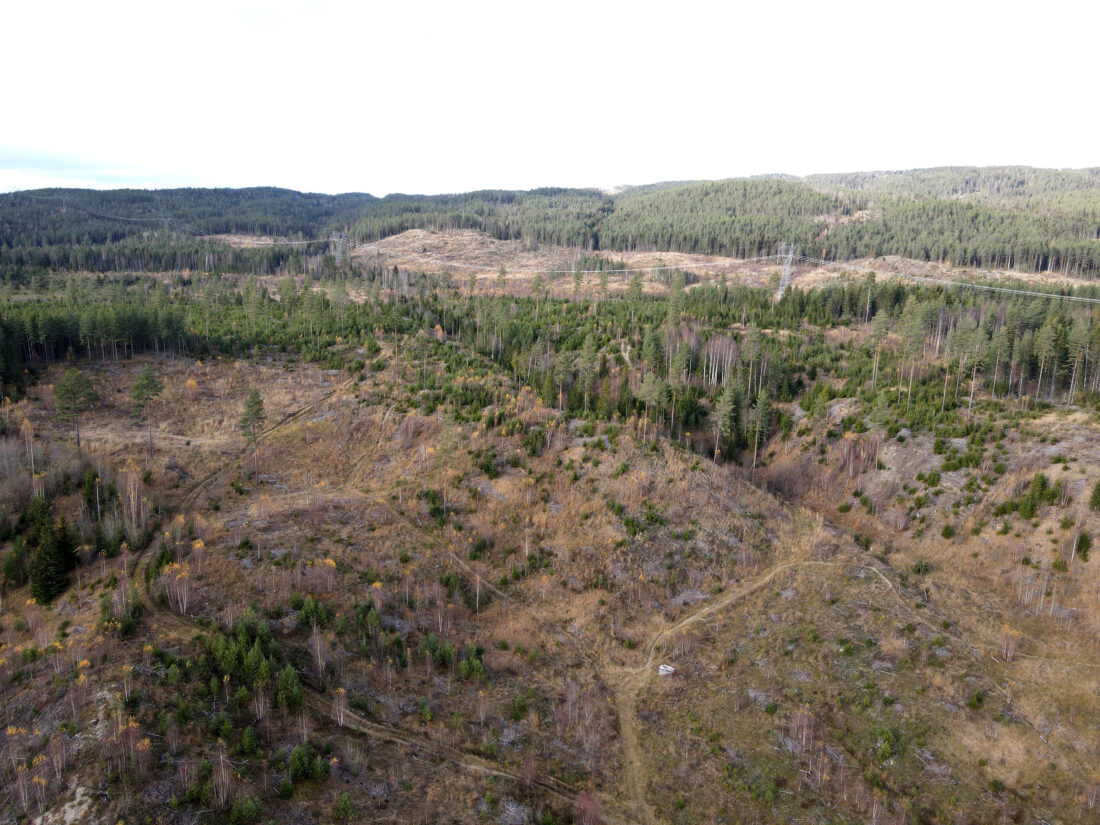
(626, 397)
(73, 396)
(147, 388)
(344, 810)
(675, 296)
(288, 693)
(605, 403)
(55, 559)
(761, 423)
(652, 347)
(547, 391)
(652, 392)
(587, 366)
(14, 566)
(251, 426)
(563, 373)
(724, 407)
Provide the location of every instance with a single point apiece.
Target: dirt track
(626, 684)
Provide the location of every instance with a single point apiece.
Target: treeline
(717, 365)
(100, 321)
(115, 318)
(151, 251)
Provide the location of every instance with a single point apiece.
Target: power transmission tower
(339, 241)
(786, 254)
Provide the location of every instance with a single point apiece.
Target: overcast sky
(445, 97)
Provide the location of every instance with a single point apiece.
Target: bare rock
(687, 597)
(759, 697)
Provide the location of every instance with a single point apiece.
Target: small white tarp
(665, 670)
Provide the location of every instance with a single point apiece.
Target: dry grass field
(461, 253)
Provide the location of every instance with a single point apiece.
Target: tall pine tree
(251, 425)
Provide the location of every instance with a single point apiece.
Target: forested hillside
(1064, 190)
(1015, 218)
(570, 217)
(739, 218)
(80, 229)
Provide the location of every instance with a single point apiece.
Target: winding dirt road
(632, 804)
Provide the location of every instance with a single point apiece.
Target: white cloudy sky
(452, 96)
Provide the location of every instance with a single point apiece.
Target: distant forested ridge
(1002, 217)
(134, 229)
(569, 217)
(1062, 190)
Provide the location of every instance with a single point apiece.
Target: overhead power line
(181, 226)
(68, 201)
(948, 283)
(621, 270)
(786, 256)
(343, 241)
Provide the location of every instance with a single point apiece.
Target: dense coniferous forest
(1003, 217)
(86, 230)
(1056, 190)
